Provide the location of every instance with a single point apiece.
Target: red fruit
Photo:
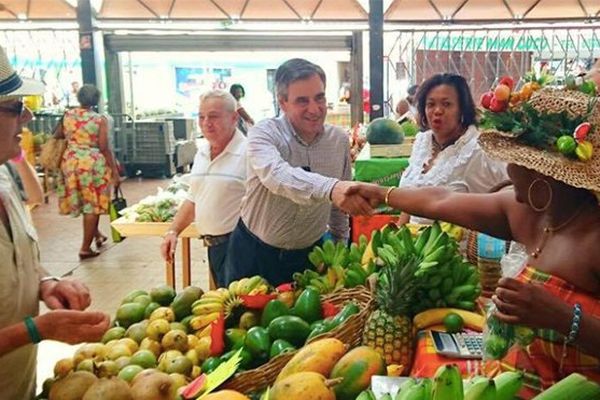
(581, 132)
(502, 92)
(497, 105)
(508, 81)
(195, 388)
(485, 99)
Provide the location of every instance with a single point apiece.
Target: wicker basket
(349, 332)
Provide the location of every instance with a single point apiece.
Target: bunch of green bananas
(447, 384)
(336, 266)
(444, 278)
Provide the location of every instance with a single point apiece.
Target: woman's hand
(529, 304)
(65, 294)
(115, 178)
(71, 326)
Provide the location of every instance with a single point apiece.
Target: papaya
(274, 308)
(290, 328)
(182, 303)
(319, 356)
(225, 395)
(356, 368)
(308, 305)
(303, 385)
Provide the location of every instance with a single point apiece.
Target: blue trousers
(216, 260)
(247, 256)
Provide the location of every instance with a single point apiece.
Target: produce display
(384, 131)
(161, 207)
(195, 344)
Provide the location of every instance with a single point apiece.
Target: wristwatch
(50, 278)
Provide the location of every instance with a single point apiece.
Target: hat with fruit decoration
(552, 130)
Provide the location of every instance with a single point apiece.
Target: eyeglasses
(17, 108)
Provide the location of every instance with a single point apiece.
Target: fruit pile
(161, 207)
(335, 266)
(447, 384)
(442, 277)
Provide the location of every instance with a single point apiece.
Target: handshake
(358, 198)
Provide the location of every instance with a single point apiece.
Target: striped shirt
(287, 203)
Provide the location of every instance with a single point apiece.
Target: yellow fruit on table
(435, 316)
(303, 385)
(226, 395)
(319, 356)
(395, 370)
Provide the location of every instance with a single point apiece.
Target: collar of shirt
(233, 147)
(298, 137)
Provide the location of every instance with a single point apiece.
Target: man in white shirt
(298, 168)
(218, 182)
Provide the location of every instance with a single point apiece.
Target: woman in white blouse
(446, 153)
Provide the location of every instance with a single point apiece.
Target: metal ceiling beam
(28, 9)
(70, 5)
(141, 2)
(530, 9)
(221, 9)
(244, 8)
(512, 13)
(8, 10)
(375, 59)
(292, 8)
(460, 7)
(171, 8)
(585, 12)
(316, 9)
(437, 10)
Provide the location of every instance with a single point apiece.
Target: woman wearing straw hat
(554, 212)
(23, 282)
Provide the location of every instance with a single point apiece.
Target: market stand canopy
(317, 10)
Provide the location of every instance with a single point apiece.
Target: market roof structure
(405, 11)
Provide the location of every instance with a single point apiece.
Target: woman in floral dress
(88, 168)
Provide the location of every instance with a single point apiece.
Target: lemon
(453, 322)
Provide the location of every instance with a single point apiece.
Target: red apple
(497, 105)
(485, 99)
(508, 81)
(502, 92)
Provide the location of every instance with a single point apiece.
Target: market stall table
(127, 228)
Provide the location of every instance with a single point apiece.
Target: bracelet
(50, 278)
(387, 195)
(32, 330)
(574, 324)
(169, 232)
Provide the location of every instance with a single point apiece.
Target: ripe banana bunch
(435, 316)
(456, 232)
(447, 383)
(212, 301)
(199, 322)
(249, 286)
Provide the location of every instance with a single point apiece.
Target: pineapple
(389, 328)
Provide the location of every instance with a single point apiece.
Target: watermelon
(384, 131)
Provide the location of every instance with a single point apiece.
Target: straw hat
(548, 161)
(12, 85)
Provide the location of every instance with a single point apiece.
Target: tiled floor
(134, 263)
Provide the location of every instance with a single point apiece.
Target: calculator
(458, 345)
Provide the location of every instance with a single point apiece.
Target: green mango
(234, 338)
(182, 303)
(274, 308)
(341, 317)
(210, 364)
(308, 305)
(258, 342)
(280, 346)
(290, 328)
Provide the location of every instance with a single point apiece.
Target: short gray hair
(88, 95)
(294, 70)
(226, 97)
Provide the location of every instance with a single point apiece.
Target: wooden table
(131, 229)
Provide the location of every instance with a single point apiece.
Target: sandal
(100, 240)
(88, 254)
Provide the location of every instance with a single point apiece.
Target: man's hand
(72, 326)
(347, 197)
(65, 294)
(374, 194)
(168, 246)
